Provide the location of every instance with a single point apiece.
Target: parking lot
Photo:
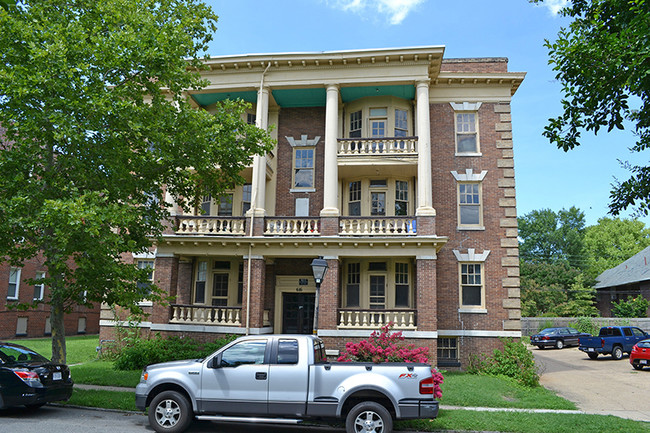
(602, 386)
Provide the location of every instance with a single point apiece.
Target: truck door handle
(260, 376)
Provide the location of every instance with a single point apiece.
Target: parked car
(27, 378)
(557, 337)
(614, 340)
(640, 355)
(284, 379)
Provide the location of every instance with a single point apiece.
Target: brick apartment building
(35, 322)
(394, 165)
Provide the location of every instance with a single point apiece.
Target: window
(147, 266)
(401, 198)
(250, 118)
(470, 213)
(199, 285)
(466, 137)
(14, 283)
(288, 352)
(471, 285)
(402, 285)
(206, 204)
(377, 292)
(355, 124)
(401, 123)
(225, 205)
(240, 283)
(302, 206)
(247, 191)
(21, 326)
(353, 285)
(220, 289)
(48, 326)
(81, 325)
(303, 174)
(354, 198)
(447, 349)
(39, 288)
(246, 352)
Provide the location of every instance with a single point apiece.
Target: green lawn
(79, 348)
(102, 373)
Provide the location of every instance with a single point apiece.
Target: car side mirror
(215, 362)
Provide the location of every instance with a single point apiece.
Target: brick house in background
(394, 165)
(35, 322)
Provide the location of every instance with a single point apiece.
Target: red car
(640, 355)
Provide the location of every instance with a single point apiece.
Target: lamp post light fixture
(319, 268)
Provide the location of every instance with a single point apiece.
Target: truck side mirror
(215, 362)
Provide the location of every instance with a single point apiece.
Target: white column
(331, 169)
(259, 161)
(425, 193)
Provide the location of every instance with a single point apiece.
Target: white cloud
(394, 10)
(554, 6)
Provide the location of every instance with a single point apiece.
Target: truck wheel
(170, 412)
(617, 353)
(592, 355)
(368, 417)
(559, 344)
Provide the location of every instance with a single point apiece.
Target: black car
(27, 378)
(557, 337)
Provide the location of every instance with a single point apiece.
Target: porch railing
(352, 318)
(206, 315)
(211, 225)
(382, 226)
(378, 146)
(291, 226)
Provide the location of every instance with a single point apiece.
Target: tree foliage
(631, 307)
(98, 132)
(602, 61)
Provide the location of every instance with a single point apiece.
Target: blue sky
(546, 177)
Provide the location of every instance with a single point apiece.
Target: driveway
(602, 386)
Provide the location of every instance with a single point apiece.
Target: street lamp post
(319, 268)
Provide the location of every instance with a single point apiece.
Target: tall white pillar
(331, 169)
(259, 161)
(425, 189)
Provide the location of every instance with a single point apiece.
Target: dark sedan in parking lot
(557, 337)
(29, 379)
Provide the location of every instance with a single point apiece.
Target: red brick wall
(295, 122)
(485, 65)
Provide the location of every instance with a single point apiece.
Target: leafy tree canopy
(602, 61)
(99, 132)
(550, 236)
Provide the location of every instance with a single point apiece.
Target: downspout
(250, 245)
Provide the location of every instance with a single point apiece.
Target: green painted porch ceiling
(313, 97)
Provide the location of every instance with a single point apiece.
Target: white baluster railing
(378, 146)
(363, 319)
(283, 226)
(377, 226)
(206, 315)
(208, 225)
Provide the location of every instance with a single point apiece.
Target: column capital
(333, 86)
(423, 82)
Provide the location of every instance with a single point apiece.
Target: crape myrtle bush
(387, 346)
(515, 361)
(139, 352)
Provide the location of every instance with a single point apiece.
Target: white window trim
(469, 177)
(304, 142)
(467, 107)
(42, 286)
(471, 257)
(17, 282)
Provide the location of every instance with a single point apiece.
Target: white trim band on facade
(146, 255)
(207, 329)
(471, 255)
(477, 333)
(465, 106)
(303, 141)
(366, 333)
(469, 176)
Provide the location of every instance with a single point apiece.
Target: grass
(465, 420)
(104, 399)
(461, 389)
(78, 348)
(102, 373)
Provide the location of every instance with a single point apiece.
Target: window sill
(12, 299)
(472, 310)
(469, 154)
(302, 190)
(145, 304)
(475, 228)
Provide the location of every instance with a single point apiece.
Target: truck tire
(592, 355)
(368, 417)
(617, 353)
(170, 412)
(559, 344)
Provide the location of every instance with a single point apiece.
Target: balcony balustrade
(378, 226)
(352, 318)
(206, 315)
(211, 225)
(292, 226)
(378, 146)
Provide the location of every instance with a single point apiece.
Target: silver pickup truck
(284, 379)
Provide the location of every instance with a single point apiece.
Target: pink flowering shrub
(387, 346)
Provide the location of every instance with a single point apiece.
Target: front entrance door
(298, 313)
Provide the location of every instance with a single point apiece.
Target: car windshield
(548, 331)
(19, 355)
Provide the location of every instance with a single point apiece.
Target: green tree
(602, 61)
(612, 241)
(99, 129)
(631, 307)
(551, 237)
